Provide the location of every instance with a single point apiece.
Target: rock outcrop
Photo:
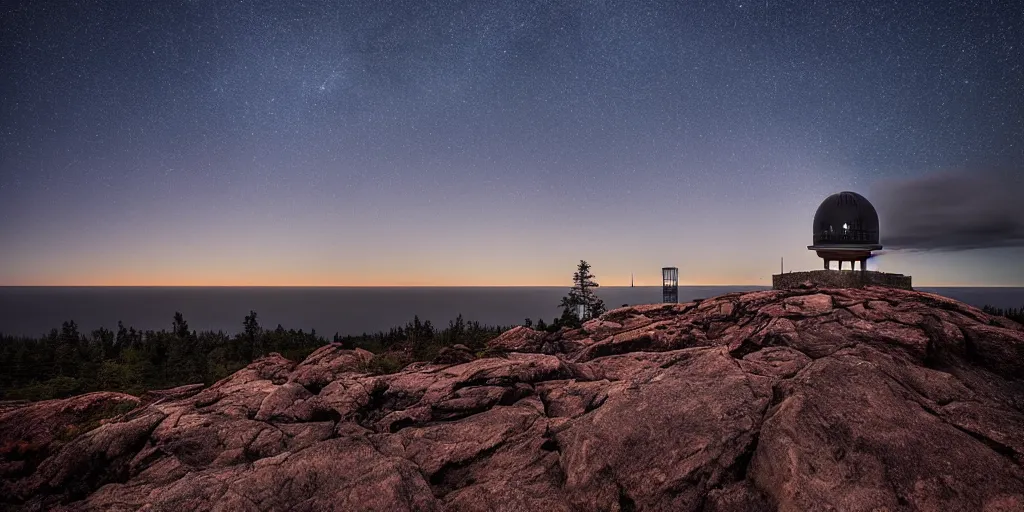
(816, 399)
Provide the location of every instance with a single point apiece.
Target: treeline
(1015, 314)
(67, 362)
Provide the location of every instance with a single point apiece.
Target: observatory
(845, 228)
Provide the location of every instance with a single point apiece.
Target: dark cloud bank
(953, 211)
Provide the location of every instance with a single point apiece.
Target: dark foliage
(1015, 314)
(67, 362)
(581, 303)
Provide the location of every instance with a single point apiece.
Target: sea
(33, 311)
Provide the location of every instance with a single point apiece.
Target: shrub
(383, 364)
(57, 387)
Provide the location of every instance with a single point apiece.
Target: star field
(485, 142)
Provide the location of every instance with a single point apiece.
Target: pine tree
(581, 303)
(122, 334)
(456, 330)
(180, 326)
(252, 333)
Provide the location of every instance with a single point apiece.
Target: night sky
(499, 142)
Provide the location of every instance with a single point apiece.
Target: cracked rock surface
(816, 399)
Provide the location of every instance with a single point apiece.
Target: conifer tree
(581, 303)
(253, 331)
(180, 326)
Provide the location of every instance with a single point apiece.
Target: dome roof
(846, 219)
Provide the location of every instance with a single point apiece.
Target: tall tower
(670, 284)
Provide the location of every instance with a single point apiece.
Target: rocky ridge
(813, 399)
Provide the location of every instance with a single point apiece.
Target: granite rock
(803, 399)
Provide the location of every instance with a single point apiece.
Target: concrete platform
(840, 279)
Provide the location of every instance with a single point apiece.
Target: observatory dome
(846, 219)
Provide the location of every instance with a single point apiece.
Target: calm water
(33, 311)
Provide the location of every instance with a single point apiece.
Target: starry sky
(487, 142)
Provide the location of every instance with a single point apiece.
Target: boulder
(518, 339)
(176, 393)
(455, 354)
(327, 363)
(29, 433)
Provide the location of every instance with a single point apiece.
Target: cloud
(953, 211)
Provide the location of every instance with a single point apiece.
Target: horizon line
(681, 285)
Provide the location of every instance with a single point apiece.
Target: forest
(1015, 314)
(66, 361)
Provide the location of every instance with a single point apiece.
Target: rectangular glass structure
(670, 284)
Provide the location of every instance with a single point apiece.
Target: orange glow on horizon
(245, 272)
(363, 282)
(223, 283)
